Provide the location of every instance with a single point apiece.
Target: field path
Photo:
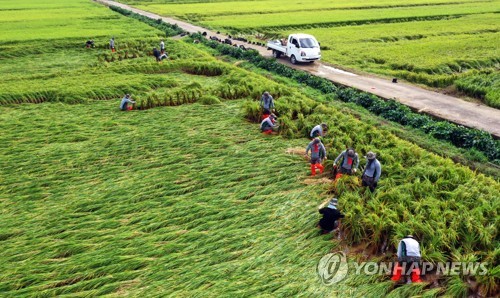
(433, 103)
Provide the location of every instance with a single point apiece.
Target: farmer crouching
(268, 125)
(124, 103)
(331, 217)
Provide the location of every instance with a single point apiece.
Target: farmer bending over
(266, 104)
(319, 130)
(408, 260)
(349, 161)
(331, 217)
(125, 101)
(267, 125)
(318, 153)
(372, 172)
(112, 44)
(90, 44)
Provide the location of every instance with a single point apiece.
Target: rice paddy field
(183, 196)
(450, 45)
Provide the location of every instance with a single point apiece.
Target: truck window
(308, 43)
(294, 41)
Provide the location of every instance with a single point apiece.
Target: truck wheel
(293, 60)
(276, 54)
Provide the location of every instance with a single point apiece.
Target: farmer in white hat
(331, 217)
(372, 171)
(319, 130)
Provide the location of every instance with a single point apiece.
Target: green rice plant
(209, 100)
(251, 111)
(457, 287)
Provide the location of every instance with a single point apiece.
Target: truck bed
(276, 45)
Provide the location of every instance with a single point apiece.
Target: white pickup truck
(299, 47)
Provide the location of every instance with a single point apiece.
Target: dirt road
(433, 103)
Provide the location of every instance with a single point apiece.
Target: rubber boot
(313, 170)
(415, 275)
(396, 273)
(320, 167)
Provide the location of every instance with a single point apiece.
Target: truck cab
(304, 47)
(298, 47)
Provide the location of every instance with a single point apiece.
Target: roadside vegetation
(440, 44)
(183, 196)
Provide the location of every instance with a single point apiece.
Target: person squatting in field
(318, 153)
(124, 103)
(372, 172)
(349, 161)
(268, 125)
(266, 104)
(331, 217)
(319, 130)
(90, 44)
(159, 56)
(408, 260)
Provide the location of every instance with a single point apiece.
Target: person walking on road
(318, 153)
(372, 172)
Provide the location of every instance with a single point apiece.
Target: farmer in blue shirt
(268, 125)
(372, 172)
(349, 161)
(266, 103)
(125, 101)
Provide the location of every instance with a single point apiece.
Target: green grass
(329, 18)
(137, 196)
(180, 200)
(192, 200)
(199, 10)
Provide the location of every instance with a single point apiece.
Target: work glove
(354, 171)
